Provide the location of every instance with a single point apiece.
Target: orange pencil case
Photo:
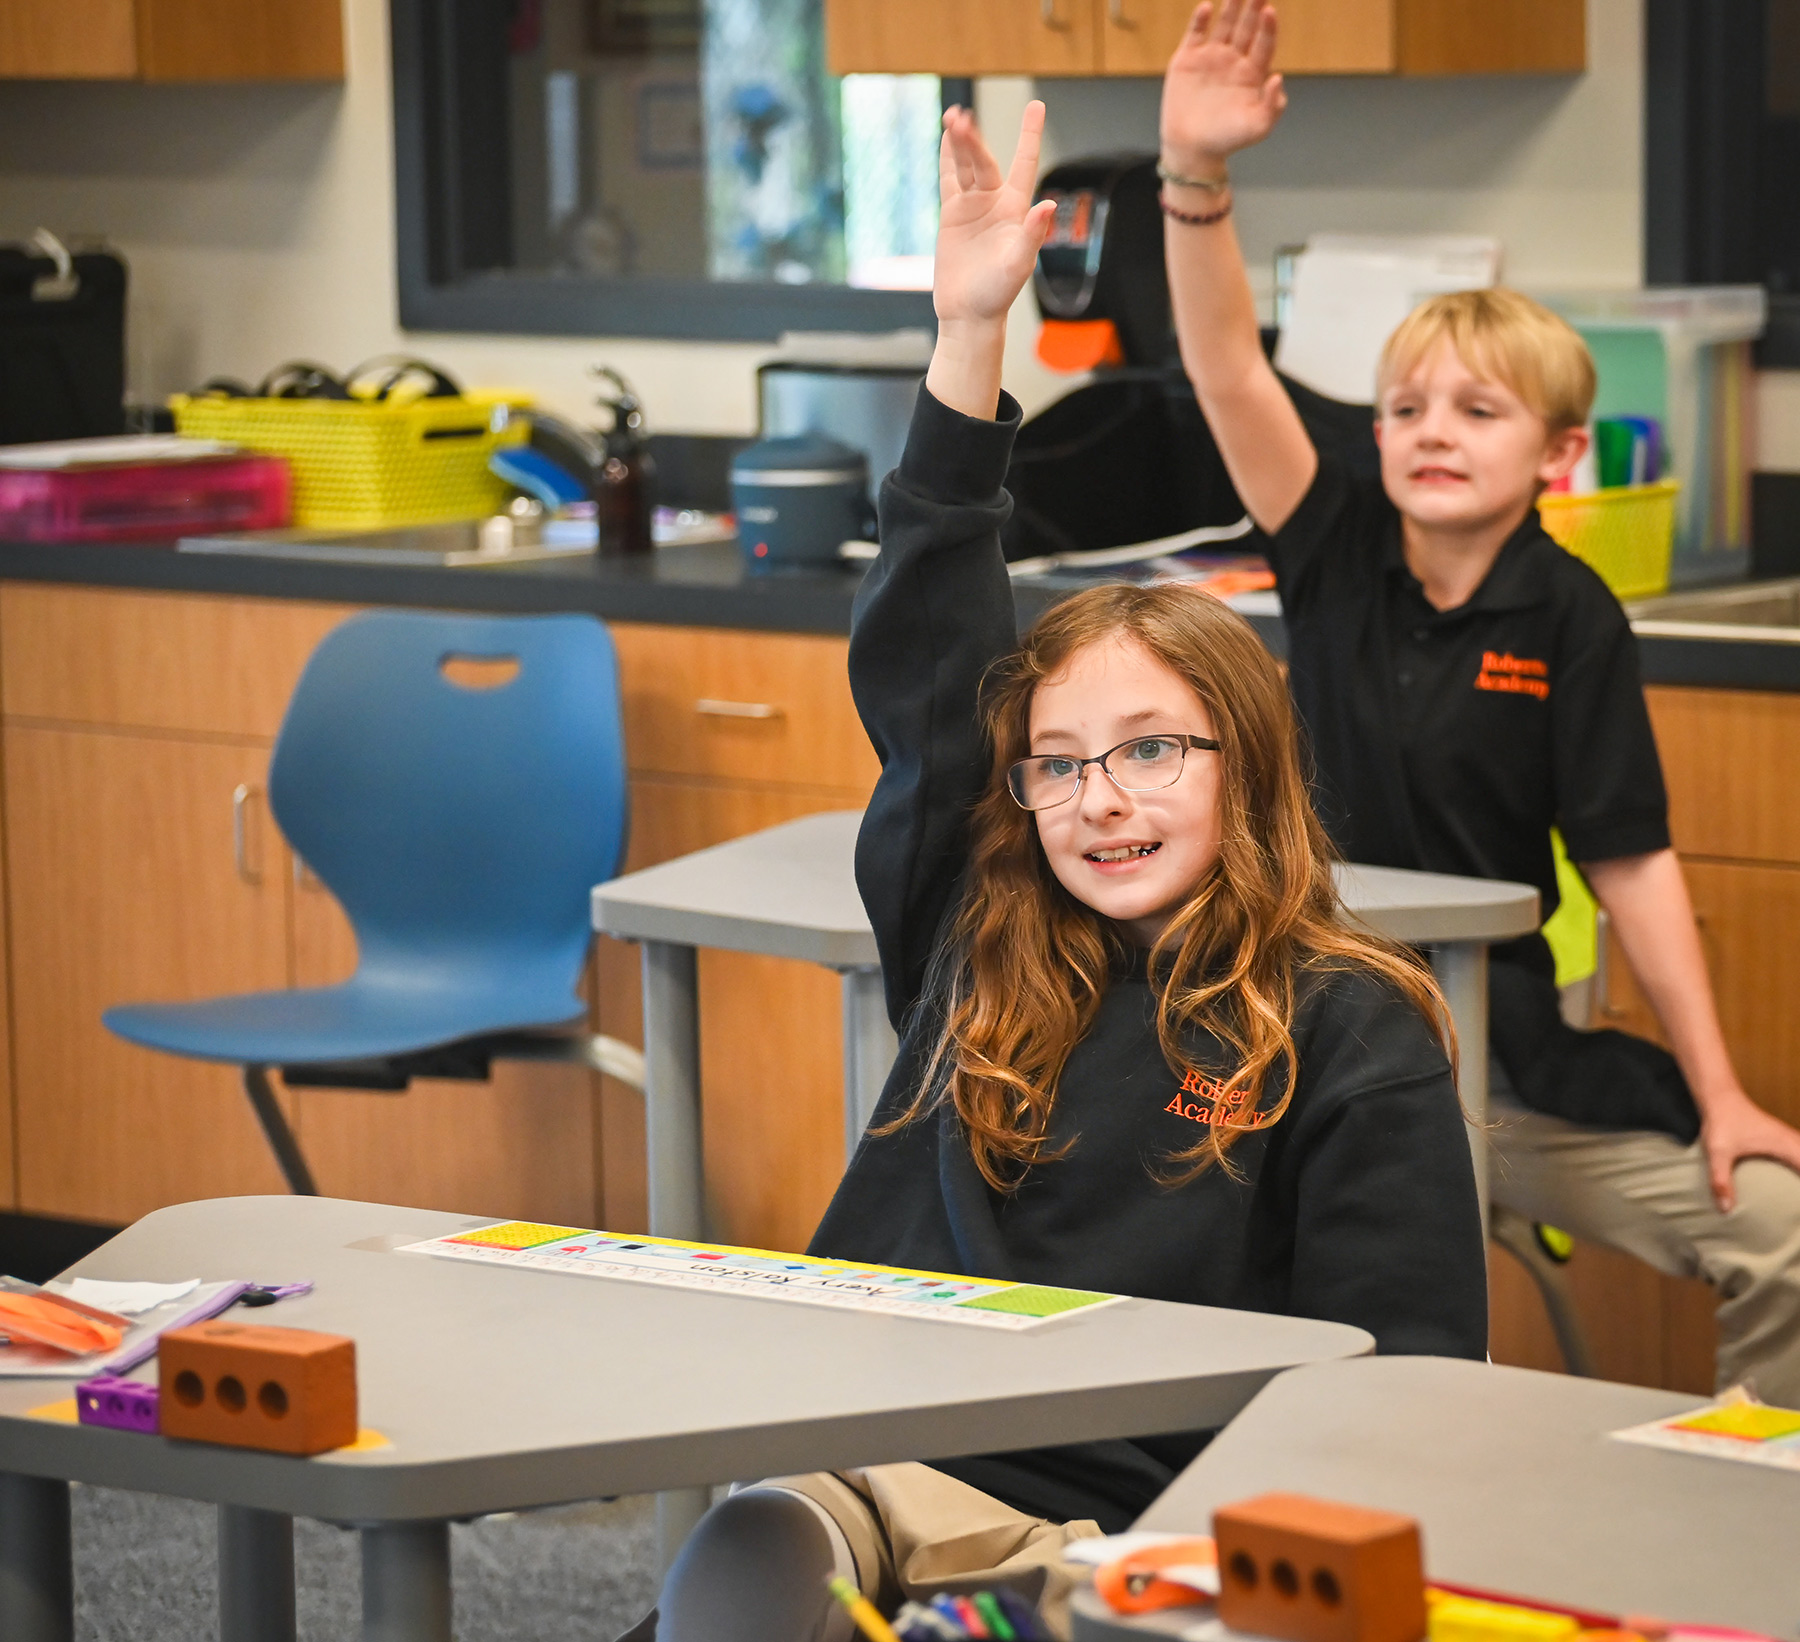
(1138, 1583)
(66, 1325)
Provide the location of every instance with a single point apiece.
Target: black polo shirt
(1453, 740)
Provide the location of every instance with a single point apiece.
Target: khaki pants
(1646, 1195)
(915, 1533)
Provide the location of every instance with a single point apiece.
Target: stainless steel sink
(1759, 613)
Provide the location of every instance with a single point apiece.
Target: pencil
(864, 1612)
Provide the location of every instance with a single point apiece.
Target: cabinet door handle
(240, 833)
(1047, 10)
(1115, 14)
(738, 709)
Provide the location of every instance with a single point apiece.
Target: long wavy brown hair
(1028, 964)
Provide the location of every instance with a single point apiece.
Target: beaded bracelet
(1213, 185)
(1196, 219)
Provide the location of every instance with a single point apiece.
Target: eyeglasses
(1142, 765)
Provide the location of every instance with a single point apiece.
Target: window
(681, 168)
(1722, 153)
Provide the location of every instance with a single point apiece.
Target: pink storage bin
(145, 501)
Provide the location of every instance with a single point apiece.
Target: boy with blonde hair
(1468, 686)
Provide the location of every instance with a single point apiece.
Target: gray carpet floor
(146, 1567)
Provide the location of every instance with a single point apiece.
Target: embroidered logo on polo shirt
(1206, 1100)
(1513, 675)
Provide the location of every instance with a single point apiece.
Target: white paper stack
(1351, 290)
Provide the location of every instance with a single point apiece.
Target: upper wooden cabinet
(956, 37)
(171, 40)
(1087, 37)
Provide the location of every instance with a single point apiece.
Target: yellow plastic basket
(1627, 534)
(367, 465)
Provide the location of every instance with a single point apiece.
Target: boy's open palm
(1218, 94)
(989, 233)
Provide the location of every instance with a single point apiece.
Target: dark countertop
(697, 586)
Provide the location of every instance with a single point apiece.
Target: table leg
(676, 1162)
(37, 1579)
(677, 1510)
(256, 1575)
(1461, 968)
(672, 1090)
(869, 1050)
(406, 1582)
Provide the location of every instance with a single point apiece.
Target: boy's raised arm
(1219, 96)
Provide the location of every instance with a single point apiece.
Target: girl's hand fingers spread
(975, 164)
(1225, 24)
(956, 140)
(1024, 172)
(1246, 24)
(1262, 47)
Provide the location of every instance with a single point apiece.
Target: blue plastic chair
(462, 830)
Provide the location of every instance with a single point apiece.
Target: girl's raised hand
(1218, 94)
(989, 232)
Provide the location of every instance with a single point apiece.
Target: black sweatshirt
(1358, 1206)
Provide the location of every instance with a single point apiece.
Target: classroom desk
(1518, 1488)
(790, 892)
(502, 1389)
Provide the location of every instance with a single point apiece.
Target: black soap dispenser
(623, 489)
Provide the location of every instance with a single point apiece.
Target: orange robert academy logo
(1514, 675)
(1206, 1100)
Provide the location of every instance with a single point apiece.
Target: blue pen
(951, 1610)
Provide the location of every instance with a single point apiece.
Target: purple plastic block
(125, 1405)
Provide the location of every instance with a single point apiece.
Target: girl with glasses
(1141, 1051)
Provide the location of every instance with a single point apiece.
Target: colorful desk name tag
(721, 1268)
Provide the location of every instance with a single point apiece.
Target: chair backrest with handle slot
(458, 782)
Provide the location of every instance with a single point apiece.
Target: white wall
(258, 221)
(258, 224)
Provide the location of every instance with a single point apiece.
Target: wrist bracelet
(1196, 219)
(1213, 185)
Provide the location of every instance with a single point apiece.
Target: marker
(997, 1622)
(863, 1613)
(972, 1620)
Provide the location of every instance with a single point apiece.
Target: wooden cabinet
(128, 724)
(1135, 37)
(171, 40)
(771, 1037)
(1317, 36)
(131, 721)
(1726, 757)
(137, 727)
(959, 37)
(123, 886)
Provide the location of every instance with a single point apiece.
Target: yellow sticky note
(64, 1412)
(1752, 1422)
(517, 1234)
(366, 1440)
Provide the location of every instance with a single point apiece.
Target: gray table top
(790, 892)
(1519, 1487)
(500, 1388)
